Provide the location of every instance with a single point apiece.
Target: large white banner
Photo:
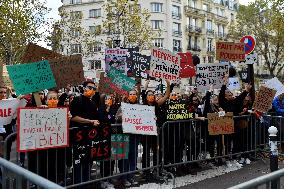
(42, 128)
(8, 110)
(210, 74)
(164, 64)
(138, 119)
(275, 84)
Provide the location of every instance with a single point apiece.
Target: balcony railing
(177, 33)
(210, 32)
(221, 35)
(194, 48)
(176, 15)
(221, 18)
(194, 29)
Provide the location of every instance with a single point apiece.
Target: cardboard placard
(230, 51)
(8, 110)
(91, 143)
(120, 80)
(35, 53)
(250, 59)
(164, 64)
(220, 125)
(42, 129)
(264, 98)
(67, 70)
(210, 74)
(187, 67)
(275, 84)
(138, 119)
(116, 58)
(178, 110)
(137, 64)
(32, 77)
(119, 146)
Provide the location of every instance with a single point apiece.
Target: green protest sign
(31, 77)
(119, 146)
(120, 80)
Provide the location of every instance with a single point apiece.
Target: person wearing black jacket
(229, 103)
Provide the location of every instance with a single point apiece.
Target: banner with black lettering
(178, 110)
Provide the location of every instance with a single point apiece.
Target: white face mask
(70, 92)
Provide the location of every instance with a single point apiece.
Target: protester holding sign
(84, 113)
(150, 142)
(278, 104)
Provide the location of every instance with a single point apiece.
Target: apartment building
(185, 25)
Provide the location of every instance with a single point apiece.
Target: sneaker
(106, 185)
(133, 182)
(248, 161)
(228, 163)
(237, 164)
(126, 183)
(242, 161)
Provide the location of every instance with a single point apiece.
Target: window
(156, 7)
(195, 42)
(209, 25)
(193, 22)
(222, 12)
(205, 7)
(76, 15)
(75, 32)
(176, 45)
(209, 45)
(95, 64)
(176, 11)
(189, 43)
(192, 3)
(157, 24)
(94, 13)
(210, 59)
(95, 29)
(132, 8)
(76, 48)
(75, 1)
(98, 64)
(177, 28)
(232, 17)
(95, 47)
(158, 42)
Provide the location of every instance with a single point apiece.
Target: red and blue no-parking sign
(249, 42)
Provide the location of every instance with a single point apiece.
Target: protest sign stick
(223, 144)
(37, 99)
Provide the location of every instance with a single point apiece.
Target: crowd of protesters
(89, 107)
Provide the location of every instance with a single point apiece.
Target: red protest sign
(187, 68)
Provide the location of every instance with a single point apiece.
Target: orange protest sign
(229, 51)
(220, 125)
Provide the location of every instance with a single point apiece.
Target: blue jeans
(129, 164)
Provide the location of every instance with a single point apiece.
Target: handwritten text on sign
(264, 99)
(138, 119)
(229, 51)
(178, 110)
(42, 128)
(119, 146)
(120, 80)
(210, 74)
(220, 125)
(164, 64)
(91, 143)
(32, 77)
(8, 110)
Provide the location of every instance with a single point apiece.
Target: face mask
(150, 98)
(173, 97)
(89, 93)
(132, 98)
(109, 102)
(52, 103)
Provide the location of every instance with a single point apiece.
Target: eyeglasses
(91, 88)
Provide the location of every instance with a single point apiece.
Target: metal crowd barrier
(178, 143)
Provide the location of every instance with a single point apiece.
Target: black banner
(91, 143)
(178, 110)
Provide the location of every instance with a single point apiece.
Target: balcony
(194, 29)
(176, 16)
(221, 35)
(211, 50)
(177, 33)
(221, 19)
(177, 49)
(210, 32)
(191, 11)
(194, 48)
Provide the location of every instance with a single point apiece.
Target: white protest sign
(138, 119)
(164, 64)
(8, 109)
(250, 59)
(275, 84)
(210, 74)
(234, 83)
(42, 128)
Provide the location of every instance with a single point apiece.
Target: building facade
(184, 25)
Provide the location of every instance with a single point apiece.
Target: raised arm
(167, 95)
